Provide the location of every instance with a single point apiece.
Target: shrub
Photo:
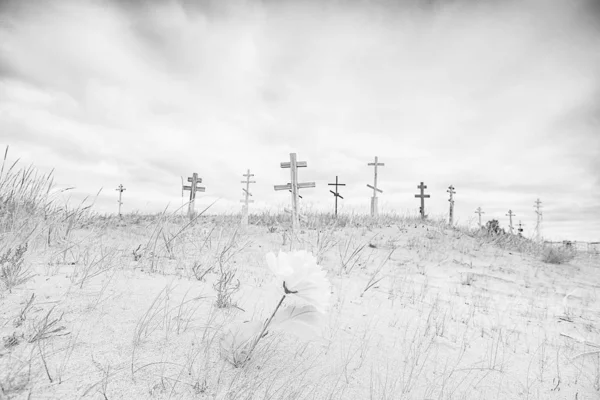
(557, 255)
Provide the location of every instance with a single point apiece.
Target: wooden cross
(336, 194)
(423, 196)
(538, 225)
(294, 186)
(510, 215)
(193, 188)
(479, 212)
(120, 189)
(246, 200)
(451, 200)
(374, 187)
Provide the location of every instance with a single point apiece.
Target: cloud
(498, 98)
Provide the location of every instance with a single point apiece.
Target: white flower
(299, 275)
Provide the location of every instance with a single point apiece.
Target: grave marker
(479, 212)
(246, 200)
(451, 200)
(423, 196)
(374, 187)
(193, 188)
(538, 225)
(520, 230)
(294, 186)
(510, 215)
(120, 189)
(336, 194)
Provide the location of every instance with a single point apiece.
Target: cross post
(336, 194)
(294, 186)
(423, 196)
(479, 212)
(246, 200)
(538, 225)
(510, 215)
(451, 200)
(374, 187)
(120, 189)
(193, 188)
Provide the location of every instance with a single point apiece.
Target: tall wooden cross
(451, 200)
(479, 212)
(538, 225)
(336, 194)
(374, 187)
(294, 186)
(423, 196)
(120, 189)
(510, 215)
(246, 200)
(193, 188)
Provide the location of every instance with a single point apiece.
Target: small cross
(423, 196)
(336, 194)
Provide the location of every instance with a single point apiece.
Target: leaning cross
(451, 200)
(423, 196)
(246, 200)
(193, 188)
(294, 186)
(336, 194)
(510, 215)
(374, 187)
(479, 212)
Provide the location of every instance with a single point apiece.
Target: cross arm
(371, 187)
(299, 164)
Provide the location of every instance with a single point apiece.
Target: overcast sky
(499, 98)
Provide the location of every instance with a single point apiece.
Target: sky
(500, 99)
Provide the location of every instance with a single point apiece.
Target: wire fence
(591, 248)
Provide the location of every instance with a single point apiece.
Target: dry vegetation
(106, 308)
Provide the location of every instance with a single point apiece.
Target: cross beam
(375, 164)
(423, 196)
(294, 186)
(479, 212)
(336, 193)
(246, 200)
(193, 188)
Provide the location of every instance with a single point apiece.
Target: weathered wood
(336, 193)
(375, 164)
(193, 188)
(451, 200)
(538, 225)
(479, 212)
(246, 200)
(423, 196)
(294, 186)
(120, 189)
(510, 215)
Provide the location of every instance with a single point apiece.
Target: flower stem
(263, 330)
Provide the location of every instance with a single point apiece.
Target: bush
(557, 255)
